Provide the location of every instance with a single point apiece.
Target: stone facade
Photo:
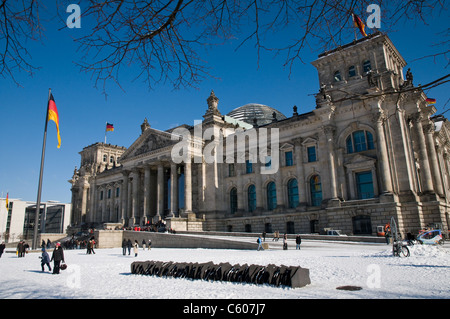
(372, 149)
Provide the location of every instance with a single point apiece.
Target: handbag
(63, 266)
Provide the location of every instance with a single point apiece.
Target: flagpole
(38, 201)
(354, 27)
(106, 128)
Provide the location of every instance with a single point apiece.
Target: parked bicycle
(399, 249)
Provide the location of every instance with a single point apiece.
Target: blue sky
(83, 109)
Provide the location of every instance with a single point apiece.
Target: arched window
(251, 198)
(233, 200)
(359, 141)
(337, 76)
(271, 196)
(367, 66)
(105, 158)
(351, 71)
(111, 159)
(292, 193)
(315, 187)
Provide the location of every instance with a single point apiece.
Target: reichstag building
(373, 148)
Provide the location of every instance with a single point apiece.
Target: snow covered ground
(107, 273)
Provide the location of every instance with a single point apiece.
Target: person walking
(20, 249)
(93, 244)
(298, 241)
(57, 258)
(129, 244)
(45, 260)
(285, 242)
(149, 244)
(136, 248)
(2, 248)
(143, 244)
(124, 247)
(259, 241)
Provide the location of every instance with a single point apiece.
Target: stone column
(187, 187)
(146, 201)
(160, 192)
(240, 188)
(434, 165)
(279, 187)
(329, 135)
(173, 190)
(383, 160)
(85, 189)
(103, 214)
(258, 187)
(302, 189)
(425, 171)
(134, 198)
(124, 196)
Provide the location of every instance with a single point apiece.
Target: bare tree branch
(19, 22)
(166, 39)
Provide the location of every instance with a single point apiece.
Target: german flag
(359, 24)
(7, 200)
(109, 127)
(431, 101)
(53, 115)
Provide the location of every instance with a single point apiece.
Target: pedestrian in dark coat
(129, 244)
(20, 249)
(124, 247)
(57, 258)
(298, 241)
(2, 248)
(45, 260)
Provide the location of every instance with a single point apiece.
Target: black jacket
(58, 254)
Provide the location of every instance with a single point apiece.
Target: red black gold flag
(53, 115)
(109, 127)
(359, 24)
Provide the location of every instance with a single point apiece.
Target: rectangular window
(109, 193)
(365, 185)
(289, 158)
(311, 154)
(117, 192)
(248, 167)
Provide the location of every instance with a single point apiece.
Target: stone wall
(114, 238)
(108, 238)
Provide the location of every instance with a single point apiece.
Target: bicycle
(399, 249)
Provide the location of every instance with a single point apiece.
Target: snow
(425, 274)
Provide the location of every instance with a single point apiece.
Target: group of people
(22, 248)
(298, 241)
(127, 244)
(57, 258)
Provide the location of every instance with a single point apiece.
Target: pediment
(286, 146)
(309, 140)
(150, 141)
(359, 160)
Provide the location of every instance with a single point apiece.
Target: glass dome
(262, 113)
